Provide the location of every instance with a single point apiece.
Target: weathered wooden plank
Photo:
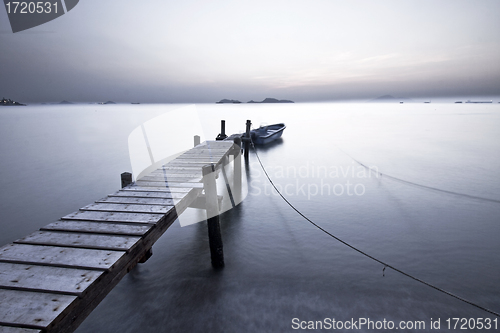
(170, 185)
(9, 329)
(114, 217)
(139, 201)
(174, 170)
(191, 161)
(127, 208)
(184, 166)
(176, 178)
(151, 194)
(181, 190)
(58, 280)
(80, 240)
(59, 256)
(215, 145)
(206, 152)
(202, 157)
(167, 179)
(31, 309)
(99, 228)
(195, 163)
(172, 175)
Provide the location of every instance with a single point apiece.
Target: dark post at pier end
(247, 138)
(222, 134)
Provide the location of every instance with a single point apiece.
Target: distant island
(228, 101)
(389, 98)
(65, 102)
(9, 102)
(273, 100)
(108, 102)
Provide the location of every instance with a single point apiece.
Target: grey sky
(203, 51)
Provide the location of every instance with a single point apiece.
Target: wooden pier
(51, 280)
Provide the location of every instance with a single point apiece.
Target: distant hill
(223, 101)
(389, 98)
(65, 102)
(273, 100)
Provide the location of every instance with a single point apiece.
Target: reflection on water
(278, 266)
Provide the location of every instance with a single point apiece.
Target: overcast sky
(304, 50)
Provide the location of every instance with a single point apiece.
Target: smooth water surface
(56, 159)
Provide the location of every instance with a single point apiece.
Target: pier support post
(212, 208)
(196, 140)
(222, 134)
(237, 171)
(247, 138)
(126, 179)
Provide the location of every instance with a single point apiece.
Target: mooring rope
(386, 265)
(416, 184)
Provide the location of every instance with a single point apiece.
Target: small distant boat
(477, 102)
(265, 134)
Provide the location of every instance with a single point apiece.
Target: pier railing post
(212, 208)
(247, 138)
(237, 171)
(196, 140)
(126, 179)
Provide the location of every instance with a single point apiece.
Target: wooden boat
(265, 134)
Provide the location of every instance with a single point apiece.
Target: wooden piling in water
(222, 134)
(247, 138)
(237, 171)
(212, 208)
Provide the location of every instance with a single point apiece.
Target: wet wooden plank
(8, 329)
(150, 194)
(58, 280)
(99, 228)
(139, 201)
(32, 309)
(80, 240)
(127, 208)
(59, 256)
(114, 217)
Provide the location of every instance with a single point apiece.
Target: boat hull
(267, 134)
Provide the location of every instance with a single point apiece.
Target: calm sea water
(56, 159)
